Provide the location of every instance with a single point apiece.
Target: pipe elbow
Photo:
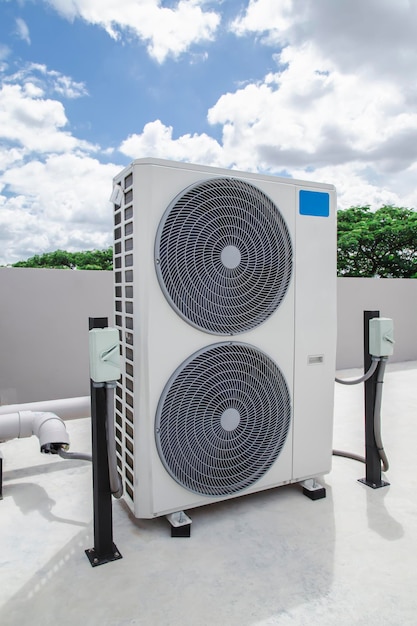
(51, 432)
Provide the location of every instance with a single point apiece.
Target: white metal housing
(299, 336)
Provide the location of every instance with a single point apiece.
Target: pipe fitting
(51, 432)
(48, 427)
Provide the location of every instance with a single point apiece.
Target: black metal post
(373, 461)
(104, 549)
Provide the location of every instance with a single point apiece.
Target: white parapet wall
(393, 297)
(44, 327)
(44, 331)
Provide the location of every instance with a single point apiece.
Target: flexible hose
(362, 379)
(349, 455)
(74, 455)
(116, 486)
(376, 418)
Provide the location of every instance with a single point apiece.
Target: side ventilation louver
(123, 266)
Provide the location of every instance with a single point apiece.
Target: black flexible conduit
(381, 361)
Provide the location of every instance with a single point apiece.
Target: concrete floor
(270, 558)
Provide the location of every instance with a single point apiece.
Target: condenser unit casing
(225, 301)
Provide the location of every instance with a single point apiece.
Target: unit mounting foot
(180, 524)
(313, 489)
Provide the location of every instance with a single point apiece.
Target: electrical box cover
(104, 354)
(381, 336)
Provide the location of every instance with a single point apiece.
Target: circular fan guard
(223, 256)
(222, 419)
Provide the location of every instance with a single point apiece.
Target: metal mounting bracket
(180, 524)
(313, 489)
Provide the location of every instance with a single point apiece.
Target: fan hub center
(230, 419)
(230, 257)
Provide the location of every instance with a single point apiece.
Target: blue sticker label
(314, 203)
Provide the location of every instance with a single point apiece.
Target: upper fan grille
(222, 419)
(223, 256)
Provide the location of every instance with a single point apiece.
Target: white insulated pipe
(48, 427)
(16, 425)
(67, 409)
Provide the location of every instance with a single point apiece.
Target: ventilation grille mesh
(123, 265)
(222, 419)
(223, 256)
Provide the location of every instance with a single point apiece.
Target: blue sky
(321, 90)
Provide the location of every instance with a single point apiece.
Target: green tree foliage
(380, 243)
(60, 259)
(369, 243)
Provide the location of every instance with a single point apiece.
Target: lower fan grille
(223, 419)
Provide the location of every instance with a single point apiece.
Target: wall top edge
(51, 270)
(381, 279)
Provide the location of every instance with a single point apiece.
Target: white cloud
(341, 105)
(263, 16)
(375, 37)
(10, 157)
(312, 111)
(34, 122)
(48, 80)
(61, 202)
(53, 193)
(64, 187)
(307, 121)
(65, 86)
(167, 31)
(22, 30)
(156, 140)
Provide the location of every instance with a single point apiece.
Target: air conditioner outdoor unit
(225, 297)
